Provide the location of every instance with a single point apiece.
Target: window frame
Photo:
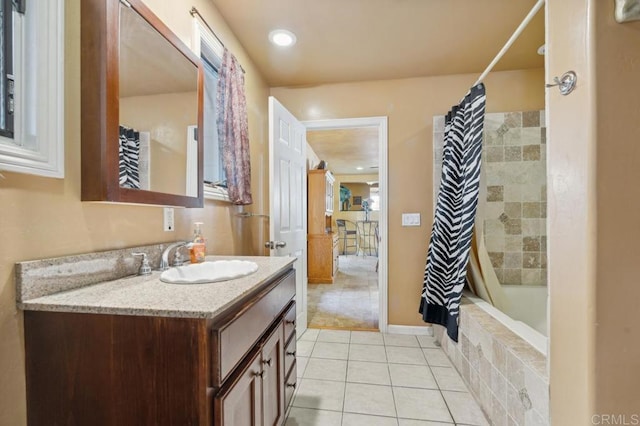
(46, 116)
(6, 68)
(202, 34)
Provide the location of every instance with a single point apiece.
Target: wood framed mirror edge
(100, 40)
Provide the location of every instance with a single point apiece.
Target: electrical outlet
(169, 219)
(410, 219)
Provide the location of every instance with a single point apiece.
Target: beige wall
(571, 214)
(594, 207)
(43, 217)
(312, 158)
(410, 105)
(617, 322)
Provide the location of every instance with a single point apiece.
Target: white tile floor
(361, 378)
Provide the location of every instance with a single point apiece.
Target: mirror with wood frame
(141, 108)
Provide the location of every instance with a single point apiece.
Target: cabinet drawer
(290, 321)
(289, 355)
(290, 384)
(233, 339)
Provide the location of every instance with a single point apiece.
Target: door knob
(275, 244)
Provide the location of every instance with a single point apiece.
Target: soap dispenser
(198, 248)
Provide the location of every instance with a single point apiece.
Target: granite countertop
(147, 295)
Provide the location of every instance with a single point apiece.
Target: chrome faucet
(177, 257)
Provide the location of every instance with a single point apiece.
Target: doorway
(357, 299)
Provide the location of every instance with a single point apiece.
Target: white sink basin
(209, 272)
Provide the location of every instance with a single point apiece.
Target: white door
(288, 200)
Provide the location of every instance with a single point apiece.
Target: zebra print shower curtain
(448, 254)
(129, 158)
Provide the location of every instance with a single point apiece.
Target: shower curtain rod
(511, 40)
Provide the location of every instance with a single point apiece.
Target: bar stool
(348, 236)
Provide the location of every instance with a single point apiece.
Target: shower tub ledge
(506, 372)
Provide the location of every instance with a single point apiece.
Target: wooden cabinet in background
(319, 201)
(322, 244)
(322, 262)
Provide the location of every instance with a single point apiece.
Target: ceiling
(346, 149)
(359, 40)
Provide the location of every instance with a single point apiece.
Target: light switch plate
(169, 219)
(410, 219)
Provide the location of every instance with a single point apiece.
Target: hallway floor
(356, 378)
(351, 302)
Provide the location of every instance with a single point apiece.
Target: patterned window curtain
(448, 255)
(233, 130)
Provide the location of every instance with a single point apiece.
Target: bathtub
(502, 361)
(526, 315)
(528, 303)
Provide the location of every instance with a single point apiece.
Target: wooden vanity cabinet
(255, 396)
(105, 369)
(290, 368)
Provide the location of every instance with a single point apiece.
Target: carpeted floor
(351, 302)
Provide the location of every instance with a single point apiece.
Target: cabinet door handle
(259, 374)
(291, 385)
(291, 353)
(292, 322)
(267, 362)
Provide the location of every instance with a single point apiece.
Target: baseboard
(410, 329)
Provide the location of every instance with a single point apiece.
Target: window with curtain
(214, 174)
(213, 169)
(227, 165)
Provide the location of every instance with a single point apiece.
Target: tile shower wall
(515, 209)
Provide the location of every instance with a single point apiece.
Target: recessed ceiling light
(359, 168)
(282, 38)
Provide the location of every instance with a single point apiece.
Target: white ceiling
(347, 149)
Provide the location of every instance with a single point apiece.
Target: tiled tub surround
(515, 209)
(507, 376)
(104, 282)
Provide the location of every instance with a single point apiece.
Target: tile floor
(364, 378)
(351, 302)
